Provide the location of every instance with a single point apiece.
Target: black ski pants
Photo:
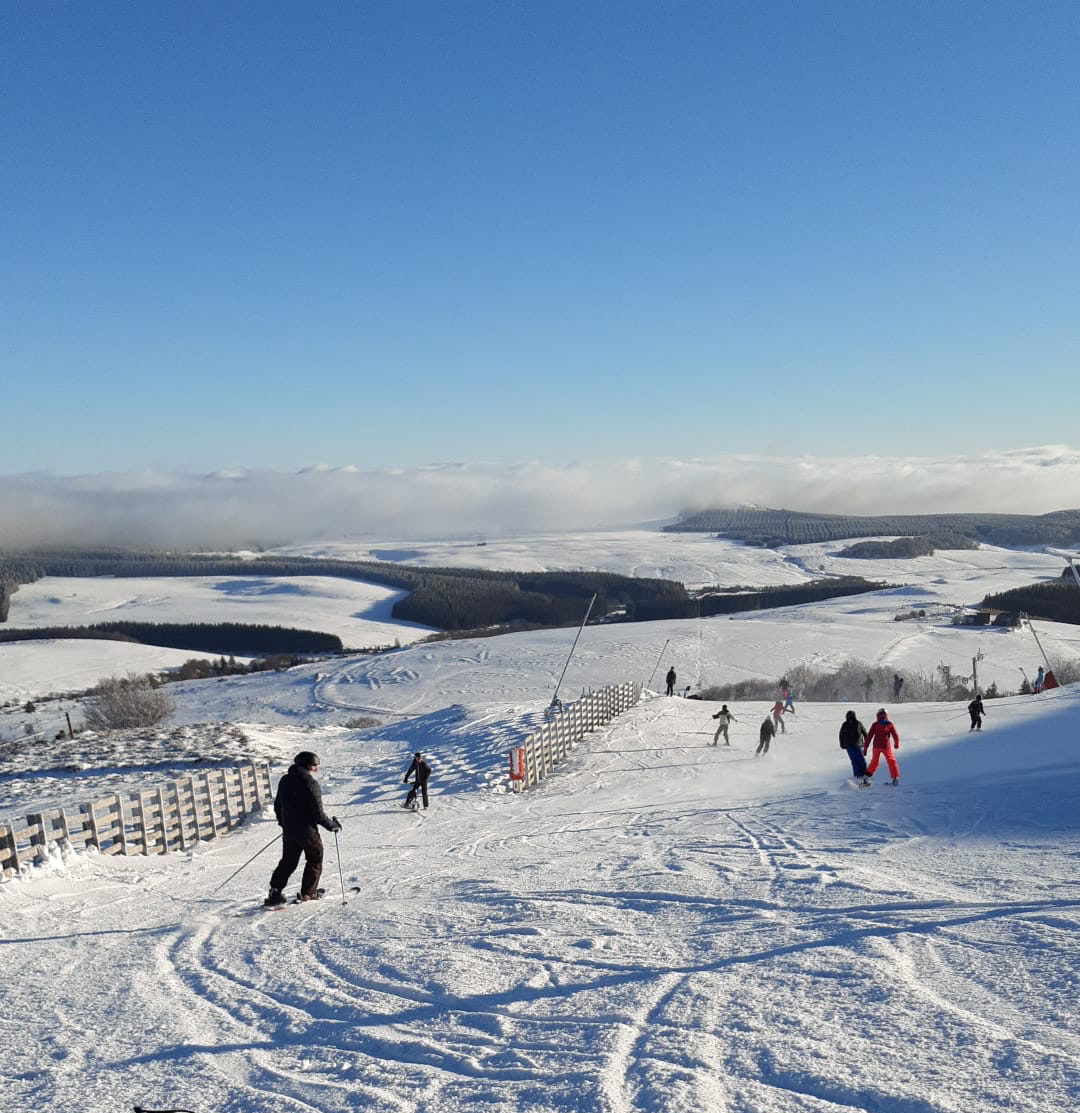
(422, 786)
(293, 844)
(858, 762)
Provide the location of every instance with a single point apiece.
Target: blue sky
(392, 234)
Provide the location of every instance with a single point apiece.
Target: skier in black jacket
(976, 711)
(299, 810)
(852, 739)
(422, 771)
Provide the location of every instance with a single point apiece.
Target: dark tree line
(1056, 600)
(452, 599)
(202, 637)
(720, 601)
(904, 548)
(771, 528)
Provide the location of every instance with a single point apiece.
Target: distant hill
(771, 528)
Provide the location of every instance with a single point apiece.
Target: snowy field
(661, 926)
(358, 613)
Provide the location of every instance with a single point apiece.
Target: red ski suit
(882, 735)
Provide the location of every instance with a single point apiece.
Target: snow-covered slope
(660, 926)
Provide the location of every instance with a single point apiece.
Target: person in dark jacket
(976, 711)
(671, 682)
(852, 739)
(299, 809)
(765, 735)
(421, 770)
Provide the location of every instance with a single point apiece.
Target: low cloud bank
(249, 509)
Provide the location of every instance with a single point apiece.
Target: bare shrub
(129, 701)
(1068, 671)
(361, 722)
(851, 681)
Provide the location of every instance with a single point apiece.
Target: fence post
(9, 840)
(164, 819)
(118, 800)
(182, 834)
(144, 830)
(90, 811)
(210, 805)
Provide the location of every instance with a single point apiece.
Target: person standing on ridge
(976, 711)
(671, 681)
(725, 718)
(765, 735)
(852, 739)
(299, 809)
(883, 736)
(422, 771)
(1040, 676)
(897, 684)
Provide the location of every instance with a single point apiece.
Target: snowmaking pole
(657, 665)
(1039, 644)
(555, 696)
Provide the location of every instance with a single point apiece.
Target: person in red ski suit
(778, 718)
(883, 736)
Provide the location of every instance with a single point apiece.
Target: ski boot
(275, 898)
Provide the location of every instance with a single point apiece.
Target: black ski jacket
(852, 733)
(422, 771)
(298, 804)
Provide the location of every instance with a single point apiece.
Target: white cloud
(234, 509)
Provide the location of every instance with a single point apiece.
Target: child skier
(778, 718)
(765, 735)
(976, 711)
(725, 718)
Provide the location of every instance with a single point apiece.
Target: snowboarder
(1040, 676)
(671, 682)
(897, 684)
(789, 701)
(299, 809)
(778, 718)
(725, 718)
(883, 736)
(422, 771)
(852, 739)
(976, 711)
(765, 735)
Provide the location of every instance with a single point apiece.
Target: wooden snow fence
(155, 820)
(570, 722)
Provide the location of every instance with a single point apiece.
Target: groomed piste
(660, 926)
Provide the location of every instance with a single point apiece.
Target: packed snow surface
(660, 926)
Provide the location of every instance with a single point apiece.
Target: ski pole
(337, 854)
(249, 861)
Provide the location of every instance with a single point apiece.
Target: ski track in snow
(661, 927)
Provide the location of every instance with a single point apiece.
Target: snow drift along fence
(544, 748)
(157, 820)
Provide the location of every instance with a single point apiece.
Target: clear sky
(388, 234)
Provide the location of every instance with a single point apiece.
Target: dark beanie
(306, 759)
